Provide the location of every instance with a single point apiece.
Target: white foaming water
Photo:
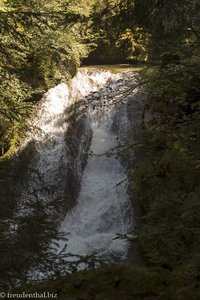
(57, 100)
(101, 210)
(84, 83)
(49, 119)
(103, 207)
(46, 179)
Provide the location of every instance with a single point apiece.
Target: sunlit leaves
(135, 42)
(40, 45)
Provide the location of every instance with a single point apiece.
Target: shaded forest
(43, 44)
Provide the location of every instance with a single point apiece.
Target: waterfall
(68, 177)
(47, 169)
(103, 207)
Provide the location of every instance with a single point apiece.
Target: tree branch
(5, 114)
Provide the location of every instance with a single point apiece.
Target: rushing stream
(70, 177)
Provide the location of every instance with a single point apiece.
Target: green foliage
(116, 282)
(117, 36)
(173, 25)
(134, 44)
(167, 180)
(41, 45)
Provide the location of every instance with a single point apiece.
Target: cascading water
(76, 124)
(103, 208)
(47, 171)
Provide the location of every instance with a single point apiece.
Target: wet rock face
(127, 120)
(78, 139)
(148, 116)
